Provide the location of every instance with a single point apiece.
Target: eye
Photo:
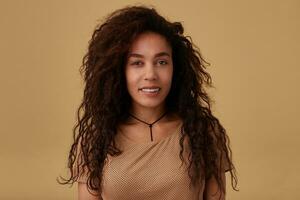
(162, 62)
(136, 63)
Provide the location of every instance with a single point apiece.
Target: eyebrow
(141, 56)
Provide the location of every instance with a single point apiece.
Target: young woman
(145, 128)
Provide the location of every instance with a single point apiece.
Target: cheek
(131, 80)
(168, 77)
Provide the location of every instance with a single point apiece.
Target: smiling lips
(151, 89)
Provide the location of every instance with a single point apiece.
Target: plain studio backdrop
(254, 50)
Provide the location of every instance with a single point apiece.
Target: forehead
(150, 43)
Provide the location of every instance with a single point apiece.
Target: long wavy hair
(106, 100)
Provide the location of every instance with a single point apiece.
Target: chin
(149, 104)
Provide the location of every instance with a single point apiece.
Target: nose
(150, 72)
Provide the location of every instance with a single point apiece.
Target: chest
(153, 171)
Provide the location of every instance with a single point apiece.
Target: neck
(148, 115)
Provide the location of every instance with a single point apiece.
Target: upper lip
(149, 87)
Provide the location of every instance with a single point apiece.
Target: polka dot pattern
(149, 171)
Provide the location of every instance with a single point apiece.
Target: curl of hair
(106, 100)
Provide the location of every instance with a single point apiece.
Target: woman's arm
(211, 187)
(84, 194)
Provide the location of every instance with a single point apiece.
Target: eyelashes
(136, 63)
(164, 62)
(160, 62)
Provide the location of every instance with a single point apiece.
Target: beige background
(253, 47)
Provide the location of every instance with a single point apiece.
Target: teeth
(150, 90)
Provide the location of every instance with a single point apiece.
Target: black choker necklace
(150, 125)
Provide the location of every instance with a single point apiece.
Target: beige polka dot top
(149, 171)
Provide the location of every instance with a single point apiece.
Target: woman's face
(149, 70)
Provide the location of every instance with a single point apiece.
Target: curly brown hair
(106, 100)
